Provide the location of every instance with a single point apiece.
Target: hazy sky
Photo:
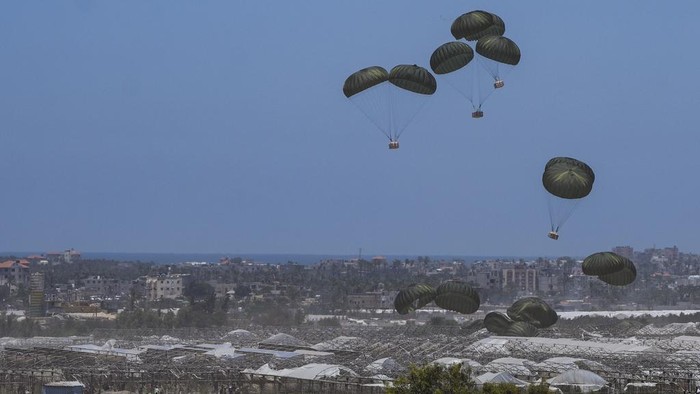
(220, 126)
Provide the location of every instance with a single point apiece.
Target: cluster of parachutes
(496, 56)
(522, 319)
(451, 295)
(391, 99)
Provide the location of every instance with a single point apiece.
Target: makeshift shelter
(308, 371)
(385, 366)
(587, 381)
(511, 365)
(500, 377)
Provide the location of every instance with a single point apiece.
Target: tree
(434, 379)
(196, 291)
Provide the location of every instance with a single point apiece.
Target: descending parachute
(611, 268)
(476, 24)
(450, 57)
(364, 79)
(498, 55)
(451, 62)
(457, 296)
(534, 311)
(413, 297)
(603, 263)
(497, 322)
(390, 99)
(568, 181)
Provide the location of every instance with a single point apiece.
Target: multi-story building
(66, 257)
(520, 278)
(381, 299)
(166, 286)
(549, 281)
(15, 272)
(624, 251)
(106, 287)
(36, 295)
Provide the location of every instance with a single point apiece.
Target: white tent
(501, 377)
(284, 340)
(511, 365)
(587, 381)
(308, 371)
(385, 366)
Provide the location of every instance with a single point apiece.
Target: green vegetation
(437, 379)
(434, 379)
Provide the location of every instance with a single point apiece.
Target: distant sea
(174, 258)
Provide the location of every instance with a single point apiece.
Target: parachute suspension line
(372, 104)
(550, 206)
(569, 212)
(392, 116)
(412, 116)
(560, 210)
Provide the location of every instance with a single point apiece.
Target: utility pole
(359, 256)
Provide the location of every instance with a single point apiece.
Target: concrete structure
(14, 272)
(624, 251)
(100, 286)
(520, 278)
(372, 300)
(36, 295)
(66, 257)
(166, 286)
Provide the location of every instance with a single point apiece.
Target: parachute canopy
(499, 49)
(521, 329)
(413, 78)
(457, 296)
(611, 268)
(534, 311)
(497, 322)
(568, 178)
(392, 99)
(364, 79)
(451, 57)
(603, 263)
(413, 297)
(476, 24)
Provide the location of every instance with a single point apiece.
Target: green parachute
(390, 99)
(458, 297)
(364, 79)
(450, 57)
(497, 322)
(499, 49)
(567, 181)
(611, 268)
(413, 78)
(415, 296)
(534, 311)
(477, 24)
(496, 56)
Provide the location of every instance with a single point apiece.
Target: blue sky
(220, 126)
